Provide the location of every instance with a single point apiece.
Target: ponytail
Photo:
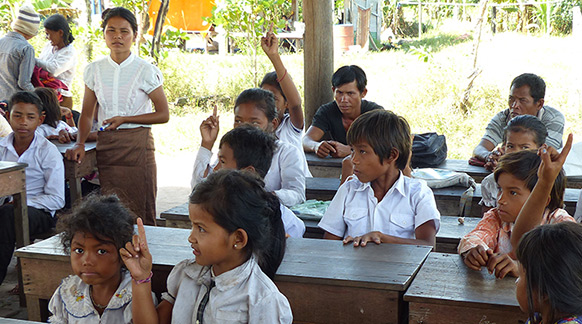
(237, 200)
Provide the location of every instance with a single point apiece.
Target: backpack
(429, 150)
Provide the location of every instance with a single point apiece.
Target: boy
(249, 148)
(17, 55)
(286, 177)
(45, 173)
(379, 204)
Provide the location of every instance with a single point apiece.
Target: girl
(238, 241)
(52, 125)
(490, 243)
(522, 133)
(58, 56)
(123, 84)
(100, 290)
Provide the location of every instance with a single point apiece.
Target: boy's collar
(398, 185)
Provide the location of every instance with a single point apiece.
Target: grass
(425, 93)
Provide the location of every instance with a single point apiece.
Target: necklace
(93, 300)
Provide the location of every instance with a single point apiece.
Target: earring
(235, 246)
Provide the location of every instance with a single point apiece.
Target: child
(286, 177)
(45, 173)
(379, 204)
(52, 127)
(100, 289)
(578, 214)
(550, 277)
(490, 243)
(123, 84)
(522, 133)
(238, 241)
(249, 148)
(58, 56)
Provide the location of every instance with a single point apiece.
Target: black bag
(429, 150)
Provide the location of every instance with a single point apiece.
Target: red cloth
(42, 78)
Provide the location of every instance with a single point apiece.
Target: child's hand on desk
(340, 150)
(136, 255)
(209, 129)
(502, 265)
(375, 237)
(77, 153)
(552, 161)
(477, 257)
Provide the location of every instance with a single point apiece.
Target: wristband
(148, 279)
(316, 146)
(283, 77)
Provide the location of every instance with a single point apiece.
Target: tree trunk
(164, 6)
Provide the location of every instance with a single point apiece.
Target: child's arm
(270, 43)
(53, 196)
(292, 175)
(425, 235)
(532, 211)
(159, 116)
(26, 68)
(502, 265)
(138, 260)
(209, 131)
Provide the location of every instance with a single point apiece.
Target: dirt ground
(174, 174)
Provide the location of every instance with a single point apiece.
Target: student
(578, 214)
(45, 173)
(286, 177)
(491, 242)
(379, 204)
(523, 132)
(238, 241)
(58, 57)
(17, 55)
(550, 277)
(52, 125)
(100, 289)
(333, 119)
(249, 148)
(123, 84)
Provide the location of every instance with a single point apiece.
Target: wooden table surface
(75, 171)
(445, 291)
(327, 167)
(13, 183)
(319, 277)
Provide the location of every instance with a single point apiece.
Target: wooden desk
(75, 171)
(325, 281)
(13, 182)
(476, 172)
(328, 167)
(446, 291)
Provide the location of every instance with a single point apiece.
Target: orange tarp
(184, 14)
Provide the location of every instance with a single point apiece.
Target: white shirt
(578, 213)
(242, 295)
(71, 303)
(489, 191)
(123, 89)
(45, 173)
(294, 226)
(354, 211)
(286, 132)
(60, 63)
(286, 176)
(45, 130)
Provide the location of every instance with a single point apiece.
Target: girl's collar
(125, 62)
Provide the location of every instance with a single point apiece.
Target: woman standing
(123, 84)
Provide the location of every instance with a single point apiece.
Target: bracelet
(148, 279)
(283, 77)
(69, 116)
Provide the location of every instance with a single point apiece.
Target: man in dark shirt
(333, 119)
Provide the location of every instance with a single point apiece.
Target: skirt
(127, 168)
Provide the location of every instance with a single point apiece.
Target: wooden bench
(446, 291)
(75, 171)
(325, 281)
(447, 199)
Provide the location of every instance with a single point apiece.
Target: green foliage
(137, 5)
(562, 18)
(171, 39)
(45, 4)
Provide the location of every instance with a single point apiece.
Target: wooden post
(295, 8)
(419, 19)
(317, 55)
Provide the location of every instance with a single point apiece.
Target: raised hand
(136, 254)
(552, 160)
(209, 129)
(270, 43)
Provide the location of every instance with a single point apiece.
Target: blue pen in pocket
(102, 128)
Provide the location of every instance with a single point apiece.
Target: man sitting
(333, 119)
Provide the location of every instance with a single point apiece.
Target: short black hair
(263, 99)
(523, 165)
(347, 74)
(528, 123)
(26, 97)
(119, 12)
(59, 22)
(383, 130)
(537, 86)
(251, 146)
(50, 105)
(104, 217)
(271, 79)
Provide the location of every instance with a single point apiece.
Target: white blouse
(61, 63)
(123, 89)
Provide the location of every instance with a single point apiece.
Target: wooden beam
(317, 55)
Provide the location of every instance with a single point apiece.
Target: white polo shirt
(286, 132)
(354, 211)
(286, 177)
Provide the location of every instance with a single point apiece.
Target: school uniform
(242, 295)
(125, 157)
(60, 63)
(355, 211)
(45, 191)
(286, 132)
(293, 225)
(493, 233)
(489, 191)
(45, 130)
(71, 303)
